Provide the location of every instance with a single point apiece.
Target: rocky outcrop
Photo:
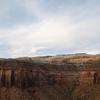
(30, 78)
(49, 78)
(89, 77)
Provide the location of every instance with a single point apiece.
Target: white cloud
(74, 29)
(48, 32)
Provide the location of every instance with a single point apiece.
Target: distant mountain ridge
(82, 57)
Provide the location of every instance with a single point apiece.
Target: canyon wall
(75, 77)
(23, 78)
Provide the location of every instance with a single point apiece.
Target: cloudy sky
(49, 27)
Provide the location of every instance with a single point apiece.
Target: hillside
(62, 77)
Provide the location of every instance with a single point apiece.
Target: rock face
(30, 78)
(49, 78)
(90, 77)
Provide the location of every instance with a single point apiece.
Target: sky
(49, 27)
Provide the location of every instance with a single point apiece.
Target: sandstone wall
(30, 78)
